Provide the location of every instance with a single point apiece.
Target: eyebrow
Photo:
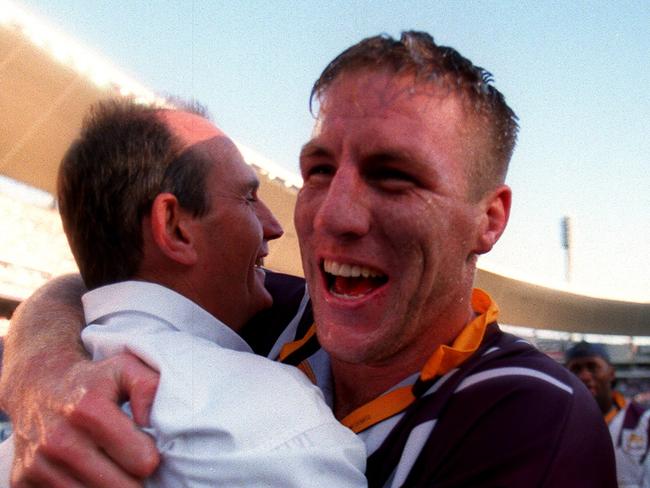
(312, 148)
(390, 155)
(252, 183)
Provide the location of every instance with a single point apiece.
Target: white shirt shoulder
(222, 415)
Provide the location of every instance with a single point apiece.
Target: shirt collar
(162, 302)
(445, 358)
(619, 403)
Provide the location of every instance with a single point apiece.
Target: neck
(608, 407)
(356, 384)
(606, 404)
(351, 393)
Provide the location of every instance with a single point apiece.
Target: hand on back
(71, 431)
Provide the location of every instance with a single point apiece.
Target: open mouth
(350, 280)
(259, 263)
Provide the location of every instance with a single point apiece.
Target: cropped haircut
(417, 54)
(123, 158)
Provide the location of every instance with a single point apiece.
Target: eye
(391, 174)
(251, 196)
(391, 179)
(318, 171)
(321, 169)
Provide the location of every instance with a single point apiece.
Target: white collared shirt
(222, 416)
(631, 448)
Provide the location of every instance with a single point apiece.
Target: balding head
(125, 155)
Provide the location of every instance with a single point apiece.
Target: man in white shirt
(163, 218)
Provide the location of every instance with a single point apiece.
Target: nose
(344, 211)
(271, 228)
(584, 375)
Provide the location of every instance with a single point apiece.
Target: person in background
(404, 187)
(628, 422)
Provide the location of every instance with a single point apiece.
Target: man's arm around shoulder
(68, 429)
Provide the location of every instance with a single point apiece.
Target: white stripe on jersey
(511, 371)
(375, 436)
(417, 438)
(436, 386)
(289, 333)
(492, 349)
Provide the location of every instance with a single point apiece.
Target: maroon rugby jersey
(508, 416)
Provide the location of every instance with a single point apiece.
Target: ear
(171, 229)
(495, 211)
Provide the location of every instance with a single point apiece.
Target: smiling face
(387, 231)
(231, 239)
(597, 375)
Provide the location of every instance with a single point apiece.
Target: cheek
(299, 213)
(245, 239)
(415, 231)
(304, 214)
(433, 245)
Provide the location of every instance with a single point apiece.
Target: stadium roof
(47, 82)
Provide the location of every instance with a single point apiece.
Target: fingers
(140, 382)
(116, 435)
(94, 411)
(79, 436)
(91, 466)
(39, 472)
(64, 452)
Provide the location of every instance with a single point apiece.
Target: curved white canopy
(46, 87)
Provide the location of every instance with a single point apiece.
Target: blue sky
(576, 73)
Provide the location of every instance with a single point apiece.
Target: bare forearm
(43, 340)
(69, 429)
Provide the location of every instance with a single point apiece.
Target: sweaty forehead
(397, 109)
(382, 92)
(396, 104)
(190, 128)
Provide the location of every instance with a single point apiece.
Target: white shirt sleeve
(644, 480)
(267, 426)
(318, 458)
(229, 419)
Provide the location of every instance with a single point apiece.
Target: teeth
(348, 270)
